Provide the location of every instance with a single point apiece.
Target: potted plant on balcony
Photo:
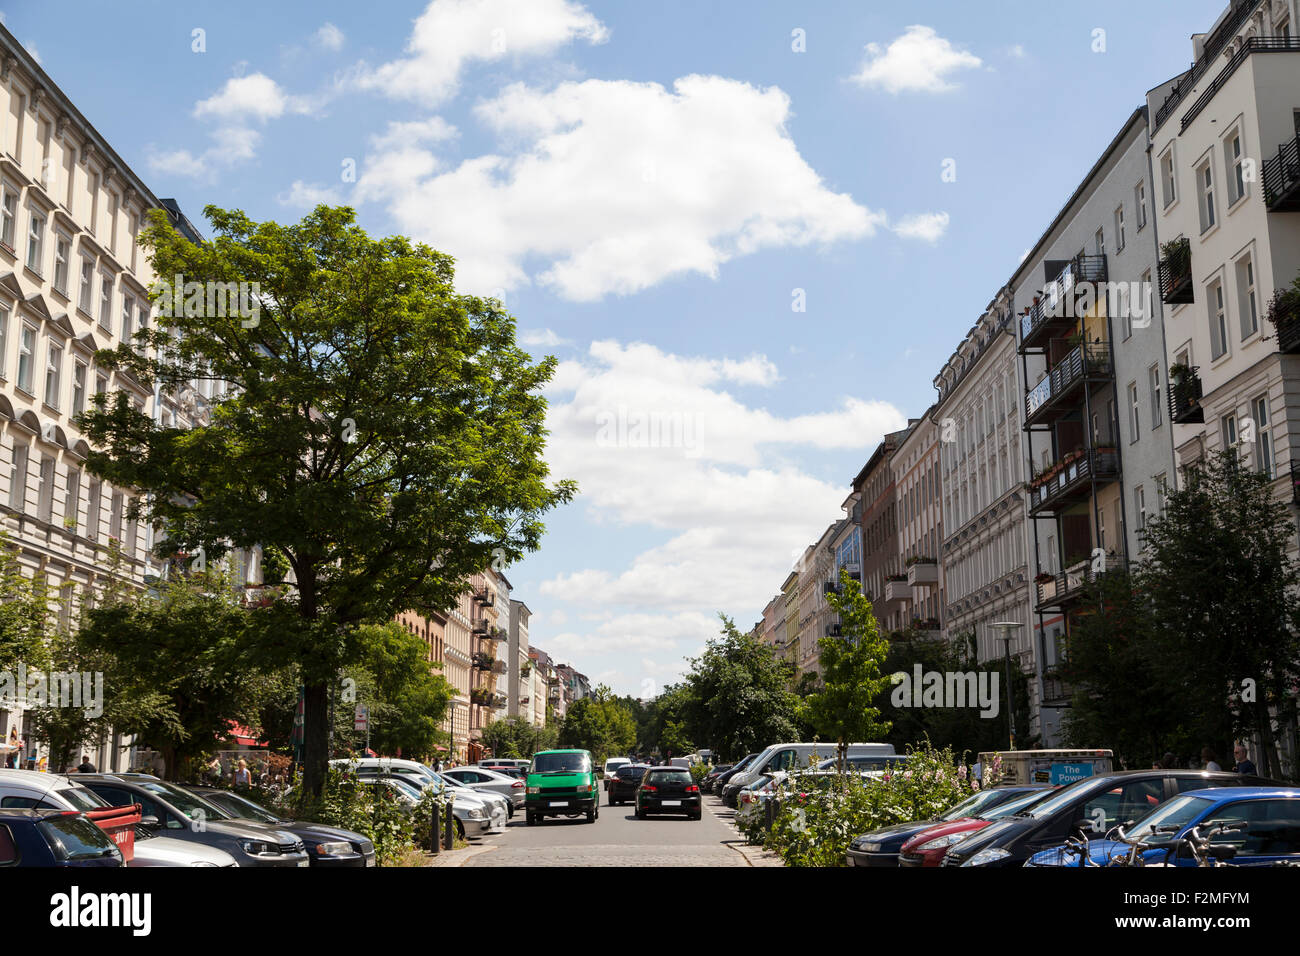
(1042, 577)
(1177, 254)
(896, 577)
(1284, 311)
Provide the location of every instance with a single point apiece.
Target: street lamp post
(1007, 627)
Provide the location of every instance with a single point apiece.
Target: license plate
(304, 862)
(370, 861)
(672, 803)
(559, 803)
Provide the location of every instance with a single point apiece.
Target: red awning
(242, 736)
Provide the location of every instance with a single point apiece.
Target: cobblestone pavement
(617, 838)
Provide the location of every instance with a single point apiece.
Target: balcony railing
(1253, 45)
(1056, 689)
(1185, 398)
(1069, 481)
(897, 591)
(1069, 585)
(1084, 363)
(1209, 54)
(833, 630)
(923, 573)
(1174, 272)
(1056, 306)
(1281, 178)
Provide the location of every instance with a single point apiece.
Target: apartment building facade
(920, 523)
(986, 537)
(519, 690)
(883, 581)
(1225, 142)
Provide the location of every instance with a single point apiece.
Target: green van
(561, 783)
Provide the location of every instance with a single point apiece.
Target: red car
(928, 847)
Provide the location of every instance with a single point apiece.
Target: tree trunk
(315, 747)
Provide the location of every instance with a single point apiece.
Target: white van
(798, 756)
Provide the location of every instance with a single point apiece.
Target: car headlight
(940, 842)
(476, 813)
(534, 789)
(869, 847)
(338, 848)
(985, 857)
(202, 863)
(585, 788)
(259, 848)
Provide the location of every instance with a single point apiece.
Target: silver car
(481, 778)
(498, 807)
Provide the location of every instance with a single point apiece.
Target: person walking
(86, 766)
(242, 777)
(1244, 764)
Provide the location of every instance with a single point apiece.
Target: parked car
(668, 789)
(611, 768)
(326, 846)
(795, 756)
(725, 777)
(483, 779)
(710, 778)
(1095, 804)
(418, 773)
(876, 766)
(881, 847)
(471, 813)
(623, 785)
(176, 813)
(561, 783)
(929, 847)
(64, 838)
(497, 807)
(1270, 831)
(508, 765)
(54, 791)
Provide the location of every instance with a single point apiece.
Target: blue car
(1270, 831)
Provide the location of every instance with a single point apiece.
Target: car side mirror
(151, 821)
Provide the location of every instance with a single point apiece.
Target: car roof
(1234, 794)
(664, 766)
(26, 813)
(573, 750)
(120, 777)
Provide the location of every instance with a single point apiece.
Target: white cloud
(328, 37)
(309, 195)
(542, 337)
(1017, 52)
(919, 60)
(253, 98)
(928, 227)
(451, 34)
(399, 135)
(614, 186)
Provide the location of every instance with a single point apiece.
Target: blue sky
(651, 188)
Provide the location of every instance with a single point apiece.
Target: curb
(755, 855)
(457, 857)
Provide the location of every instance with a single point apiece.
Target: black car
(175, 812)
(668, 790)
(326, 846)
(710, 778)
(881, 847)
(720, 785)
(624, 782)
(1095, 805)
(54, 838)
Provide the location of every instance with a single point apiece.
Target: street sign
(362, 719)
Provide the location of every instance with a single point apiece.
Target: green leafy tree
(1224, 598)
(740, 698)
(517, 737)
(844, 707)
(599, 723)
(409, 702)
(25, 619)
(380, 431)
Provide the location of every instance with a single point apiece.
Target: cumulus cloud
(614, 186)
(309, 195)
(918, 61)
(928, 227)
(543, 337)
(452, 34)
(328, 37)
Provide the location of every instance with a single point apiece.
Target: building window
(4, 341)
(92, 509)
(1228, 427)
(128, 308)
(26, 358)
(1246, 293)
(87, 285)
(1168, 189)
(53, 374)
(1140, 506)
(78, 387)
(1119, 228)
(1099, 243)
(72, 500)
(1135, 420)
(8, 215)
(35, 243)
(1140, 204)
(106, 301)
(115, 516)
(1218, 321)
(1234, 161)
(1205, 183)
(1153, 380)
(45, 502)
(1162, 492)
(18, 480)
(1263, 436)
(61, 252)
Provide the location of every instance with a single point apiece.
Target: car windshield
(82, 799)
(244, 809)
(1174, 815)
(561, 763)
(973, 804)
(667, 776)
(1064, 797)
(631, 773)
(73, 837)
(1012, 806)
(193, 806)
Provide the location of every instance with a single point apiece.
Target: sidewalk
(754, 855)
(457, 857)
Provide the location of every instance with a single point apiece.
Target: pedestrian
(1244, 763)
(977, 772)
(86, 766)
(214, 771)
(1208, 759)
(1169, 761)
(242, 778)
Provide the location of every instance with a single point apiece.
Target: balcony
(1084, 364)
(486, 697)
(1055, 310)
(482, 661)
(1174, 272)
(484, 597)
(1185, 396)
(1295, 482)
(833, 630)
(923, 572)
(1056, 690)
(897, 590)
(1281, 178)
(1284, 316)
(1071, 479)
(1060, 590)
